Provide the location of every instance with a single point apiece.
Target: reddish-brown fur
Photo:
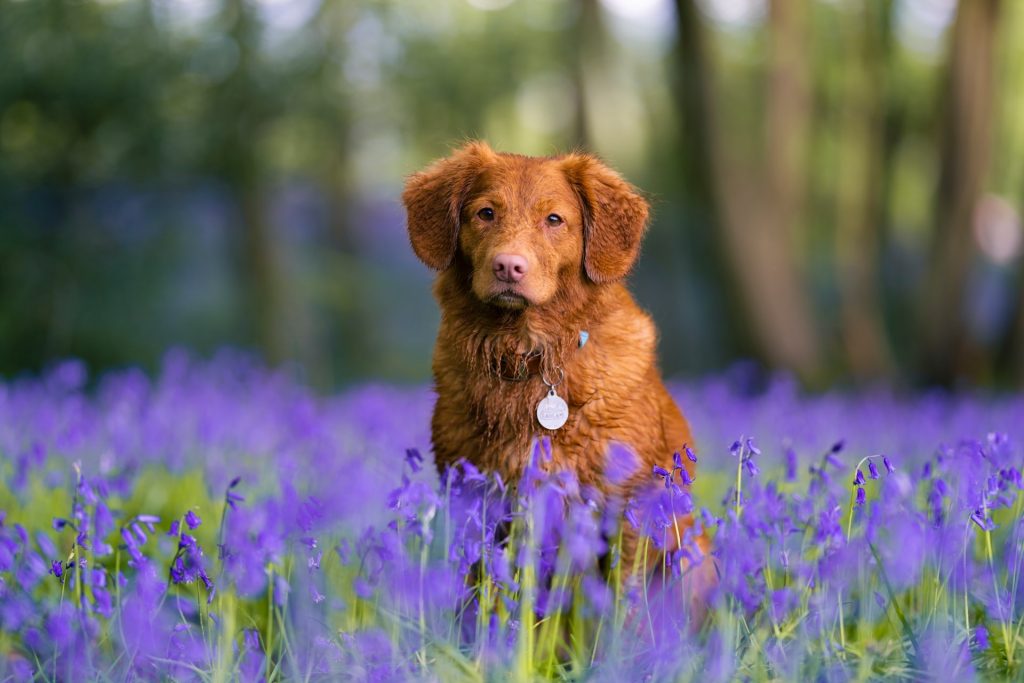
(574, 282)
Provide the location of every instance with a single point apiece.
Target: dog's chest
(495, 425)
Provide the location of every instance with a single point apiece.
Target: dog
(539, 335)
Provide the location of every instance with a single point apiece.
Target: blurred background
(837, 184)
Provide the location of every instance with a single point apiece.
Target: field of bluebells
(221, 521)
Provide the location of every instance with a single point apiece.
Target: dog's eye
(486, 214)
(554, 220)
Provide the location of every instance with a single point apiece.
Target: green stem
(524, 660)
(269, 645)
(739, 480)
(907, 631)
(842, 622)
(1004, 627)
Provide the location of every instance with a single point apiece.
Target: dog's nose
(510, 267)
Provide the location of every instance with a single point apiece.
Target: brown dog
(531, 254)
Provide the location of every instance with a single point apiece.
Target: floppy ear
(433, 201)
(614, 217)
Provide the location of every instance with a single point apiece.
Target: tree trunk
(262, 275)
(588, 35)
(1017, 336)
(759, 207)
(236, 160)
(966, 150)
(859, 188)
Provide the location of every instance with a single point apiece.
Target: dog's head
(524, 224)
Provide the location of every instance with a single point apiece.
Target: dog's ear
(433, 201)
(614, 217)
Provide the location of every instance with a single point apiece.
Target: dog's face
(521, 228)
(525, 225)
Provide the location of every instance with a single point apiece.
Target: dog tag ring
(552, 411)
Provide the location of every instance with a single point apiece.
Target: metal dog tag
(552, 411)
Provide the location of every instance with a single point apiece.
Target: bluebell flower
(232, 499)
(343, 551)
(978, 517)
(981, 637)
(751, 467)
(872, 470)
(620, 463)
(791, 464)
(414, 459)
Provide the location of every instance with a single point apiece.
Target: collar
(522, 367)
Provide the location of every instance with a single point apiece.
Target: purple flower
(314, 560)
(751, 467)
(598, 594)
(859, 479)
(192, 519)
(57, 569)
(872, 470)
(344, 552)
(631, 515)
(232, 498)
(362, 589)
(981, 637)
(620, 463)
(861, 496)
(175, 525)
(791, 464)
(414, 459)
(689, 453)
(831, 459)
(984, 524)
(888, 465)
